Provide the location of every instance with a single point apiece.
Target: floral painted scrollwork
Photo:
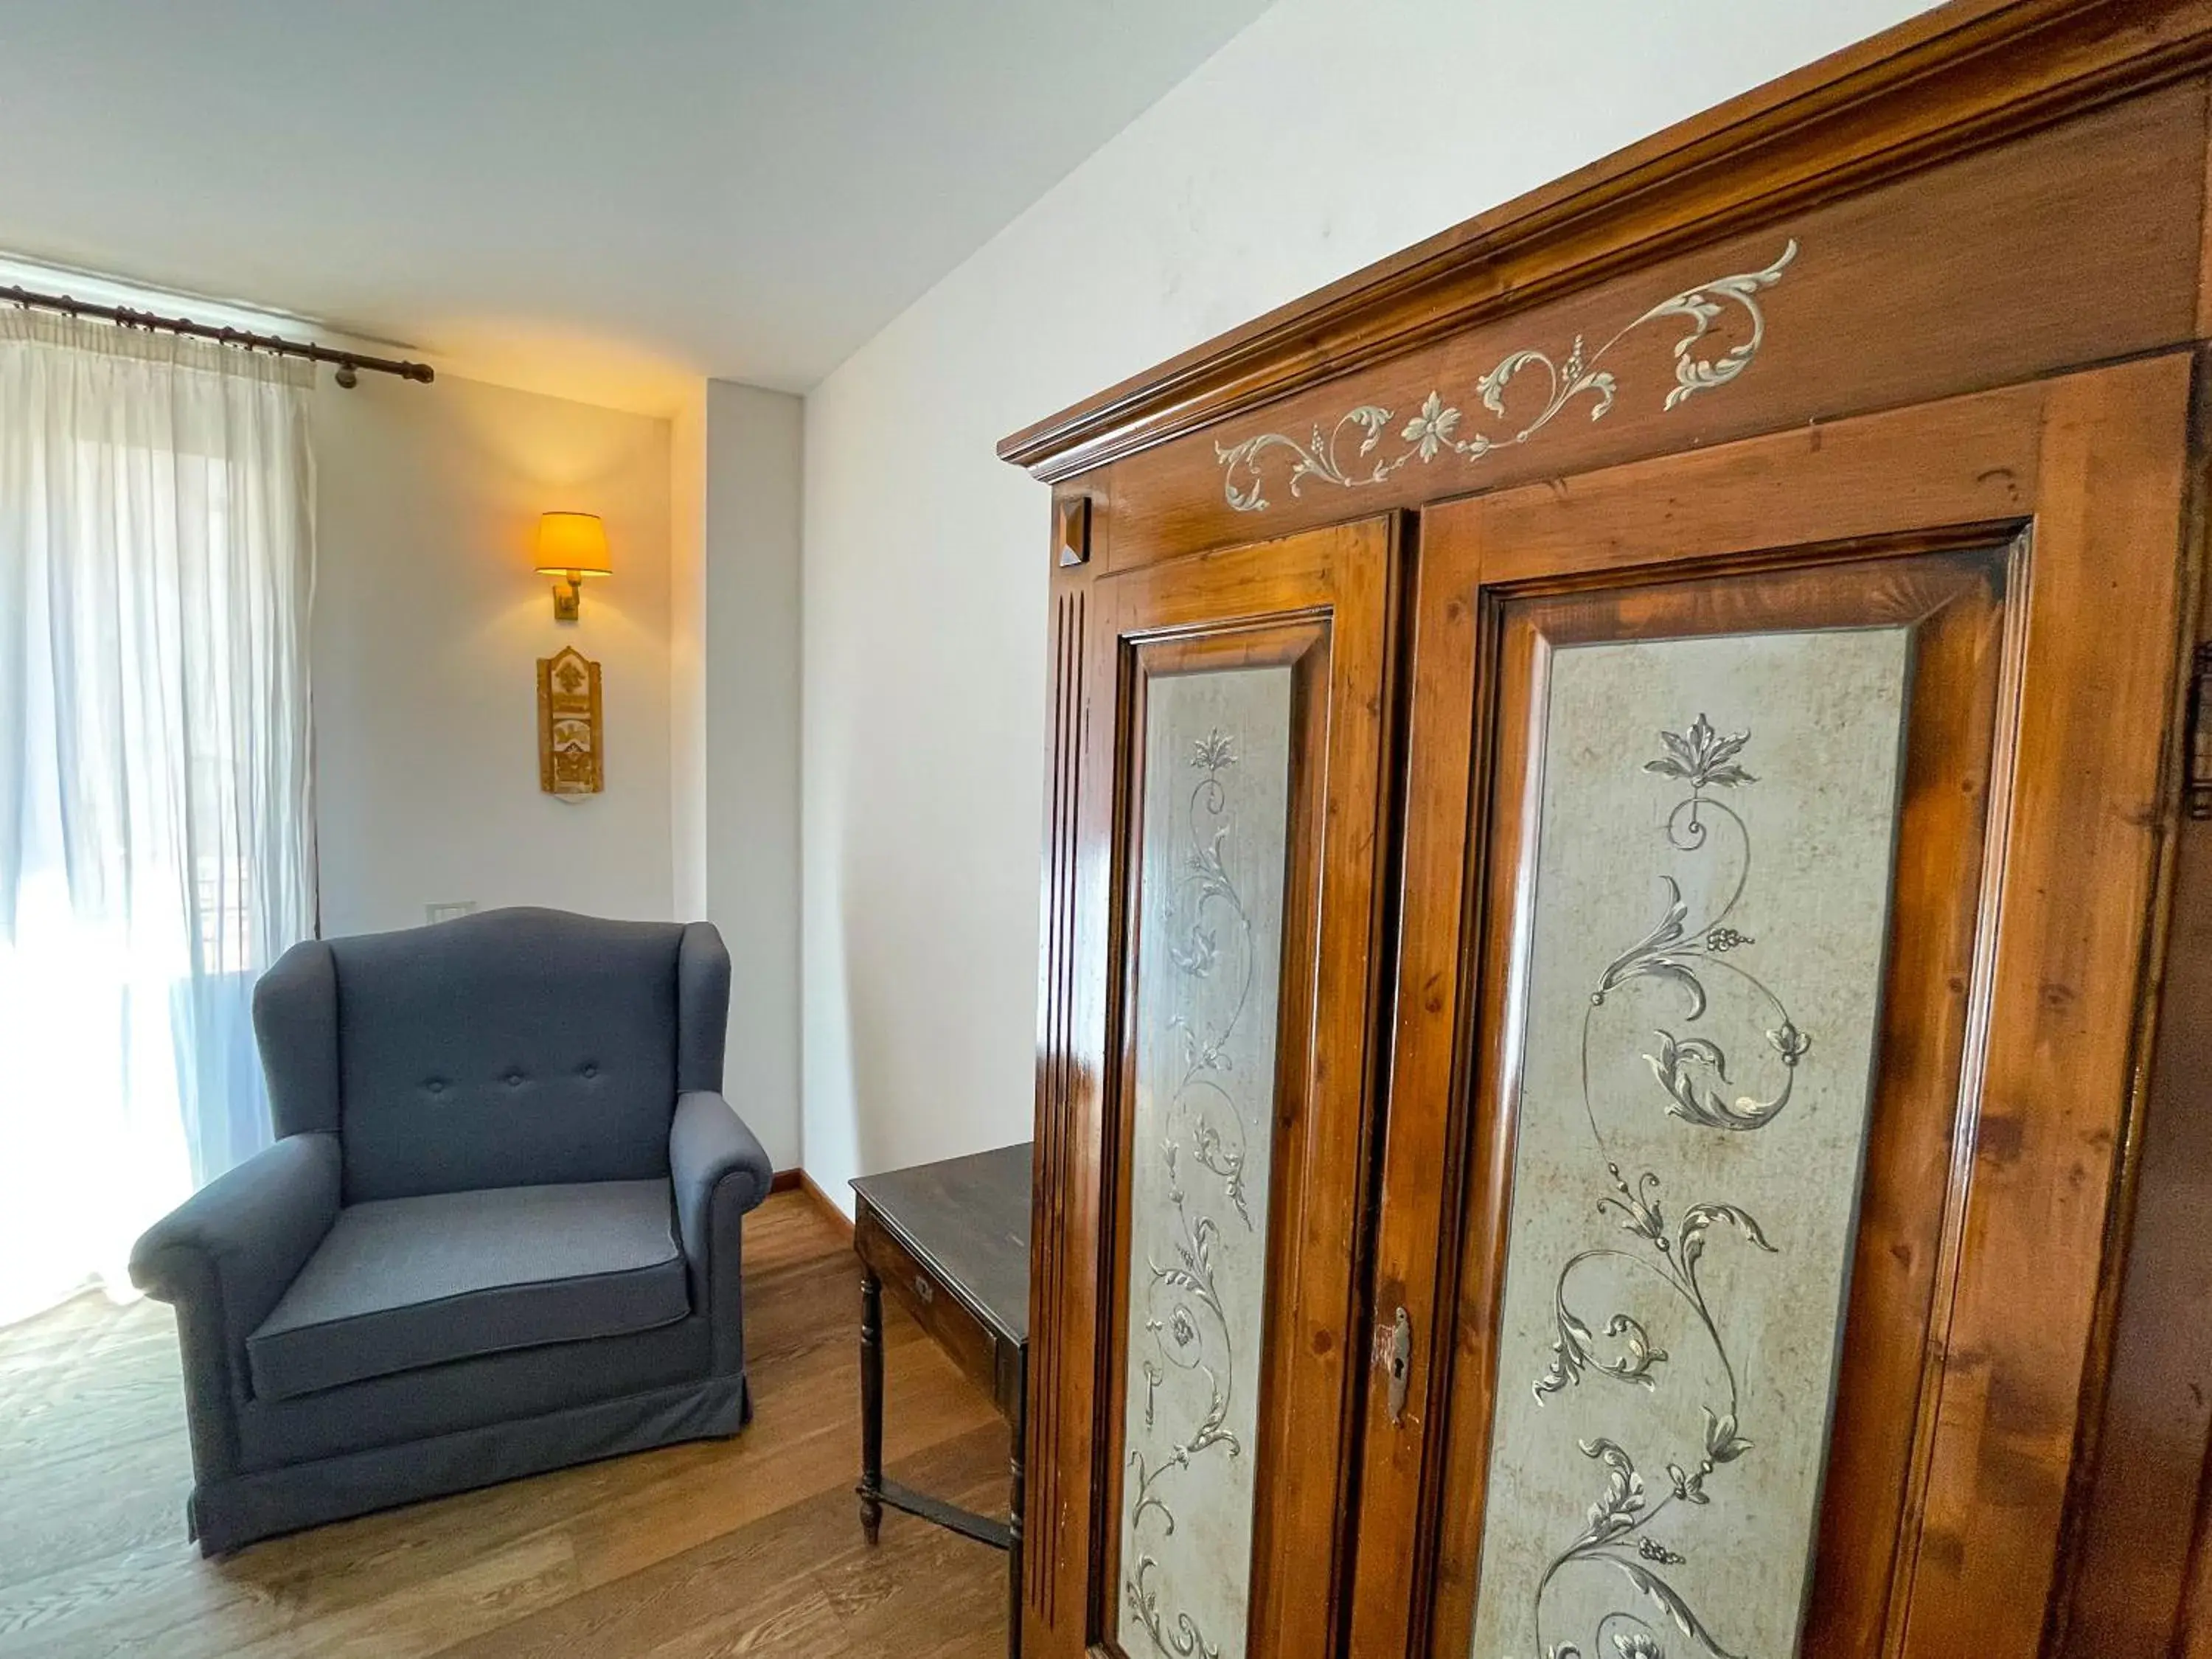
(1694, 959)
(1184, 1323)
(1435, 429)
(1683, 952)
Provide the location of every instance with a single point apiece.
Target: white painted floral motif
(1210, 901)
(1434, 428)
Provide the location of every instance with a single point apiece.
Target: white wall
(687, 652)
(428, 622)
(1328, 134)
(734, 724)
(749, 742)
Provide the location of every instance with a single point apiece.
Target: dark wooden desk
(952, 1242)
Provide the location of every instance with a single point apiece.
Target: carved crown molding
(1962, 77)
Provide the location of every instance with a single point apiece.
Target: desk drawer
(934, 1305)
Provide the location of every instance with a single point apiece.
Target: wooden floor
(746, 1546)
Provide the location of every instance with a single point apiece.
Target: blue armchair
(498, 1233)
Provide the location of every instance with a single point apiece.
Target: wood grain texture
(1589, 536)
(1326, 601)
(826, 1206)
(1065, 1196)
(1961, 78)
(968, 1219)
(950, 1241)
(2076, 245)
(2087, 815)
(1323, 602)
(2003, 264)
(2142, 1511)
(1995, 1389)
(923, 1296)
(1953, 602)
(2137, 1527)
(747, 1546)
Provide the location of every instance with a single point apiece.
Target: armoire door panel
(1720, 1045)
(1703, 962)
(1250, 737)
(1736, 1156)
(1211, 845)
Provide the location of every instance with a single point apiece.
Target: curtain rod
(348, 362)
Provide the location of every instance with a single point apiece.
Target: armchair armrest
(720, 1172)
(708, 1144)
(223, 1257)
(253, 1229)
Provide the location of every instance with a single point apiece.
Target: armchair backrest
(515, 1048)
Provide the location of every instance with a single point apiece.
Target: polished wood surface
(1918, 1546)
(1327, 603)
(2141, 1514)
(826, 1207)
(967, 1219)
(987, 1356)
(740, 1546)
(1953, 601)
(1070, 1050)
(2084, 247)
(1915, 475)
(1959, 79)
(1324, 604)
(2143, 1569)
(2091, 811)
(1988, 330)
(952, 1241)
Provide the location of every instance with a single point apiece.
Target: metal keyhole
(1400, 1364)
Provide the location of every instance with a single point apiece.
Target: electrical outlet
(447, 912)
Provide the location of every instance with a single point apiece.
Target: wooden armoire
(1624, 1068)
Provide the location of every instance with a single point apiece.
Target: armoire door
(1782, 834)
(1238, 713)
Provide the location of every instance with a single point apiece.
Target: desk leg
(1014, 1518)
(871, 1404)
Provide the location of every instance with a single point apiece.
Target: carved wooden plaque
(1215, 828)
(571, 752)
(1718, 822)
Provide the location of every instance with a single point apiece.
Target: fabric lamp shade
(572, 542)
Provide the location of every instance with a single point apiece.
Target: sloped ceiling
(595, 198)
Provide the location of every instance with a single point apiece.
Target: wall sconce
(570, 547)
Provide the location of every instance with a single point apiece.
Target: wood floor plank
(745, 1547)
(758, 1585)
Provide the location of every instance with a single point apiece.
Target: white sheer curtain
(156, 567)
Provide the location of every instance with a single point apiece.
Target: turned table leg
(871, 1405)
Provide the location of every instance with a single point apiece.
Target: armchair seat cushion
(407, 1282)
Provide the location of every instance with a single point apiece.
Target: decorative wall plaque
(571, 734)
(1216, 829)
(1713, 872)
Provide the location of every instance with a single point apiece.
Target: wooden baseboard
(822, 1202)
(797, 1181)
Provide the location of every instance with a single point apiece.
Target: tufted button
(515, 1080)
(590, 1070)
(437, 1085)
